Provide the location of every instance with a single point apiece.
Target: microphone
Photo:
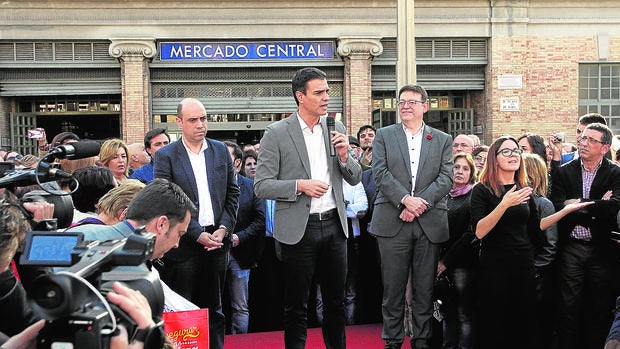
(76, 150)
(28, 177)
(331, 126)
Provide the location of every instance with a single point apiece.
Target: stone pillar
(358, 52)
(134, 56)
(405, 44)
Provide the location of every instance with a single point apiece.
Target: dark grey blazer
(283, 159)
(392, 173)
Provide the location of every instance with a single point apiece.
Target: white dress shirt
(318, 165)
(414, 144)
(356, 200)
(199, 167)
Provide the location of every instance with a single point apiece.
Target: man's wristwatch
(153, 336)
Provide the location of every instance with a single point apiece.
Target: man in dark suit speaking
(412, 166)
(295, 170)
(202, 167)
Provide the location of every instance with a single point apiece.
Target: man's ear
(299, 95)
(162, 224)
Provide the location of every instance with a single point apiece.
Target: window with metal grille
(255, 74)
(229, 90)
(451, 49)
(599, 92)
(238, 83)
(55, 52)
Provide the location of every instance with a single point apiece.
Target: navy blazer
(600, 217)
(250, 226)
(172, 163)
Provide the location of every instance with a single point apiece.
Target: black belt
(208, 229)
(580, 241)
(323, 216)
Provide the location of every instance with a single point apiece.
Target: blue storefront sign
(200, 51)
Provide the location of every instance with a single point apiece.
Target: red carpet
(358, 337)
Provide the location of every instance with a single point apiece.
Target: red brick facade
(549, 96)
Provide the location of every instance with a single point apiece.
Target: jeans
(614, 332)
(238, 280)
(458, 321)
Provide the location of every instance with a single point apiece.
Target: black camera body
(73, 300)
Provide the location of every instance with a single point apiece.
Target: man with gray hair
(586, 249)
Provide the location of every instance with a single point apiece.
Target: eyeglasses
(411, 103)
(14, 157)
(586, 139)
(480, 158)
(510, 152)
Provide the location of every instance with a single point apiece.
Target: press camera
(72, 300)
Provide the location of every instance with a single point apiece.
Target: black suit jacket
(600, 217)
(250, 226)
(172, 163)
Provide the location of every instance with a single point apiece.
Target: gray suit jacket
(283, 159)
(392, 172)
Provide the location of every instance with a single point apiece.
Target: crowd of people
(453, 243)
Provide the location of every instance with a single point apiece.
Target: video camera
(73, 300)
(45, 175)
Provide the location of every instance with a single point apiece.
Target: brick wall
(135, 98)
(360, 108)
(549, 96)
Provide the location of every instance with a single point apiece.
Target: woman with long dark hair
(507, 221)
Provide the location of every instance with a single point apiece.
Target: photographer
(162, 207)
(13, 226)
(165, 211)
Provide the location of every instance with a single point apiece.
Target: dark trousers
(352, 279)
(458, 325)
(586, 301)
(409, 250)
(267, 291)
(202, 279)
(322, 250)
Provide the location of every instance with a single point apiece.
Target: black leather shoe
(420, 344)
(393, 346)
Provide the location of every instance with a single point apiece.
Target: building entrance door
(97, 127)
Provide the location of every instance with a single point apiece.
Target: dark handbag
(476, 244)
(442, 292)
